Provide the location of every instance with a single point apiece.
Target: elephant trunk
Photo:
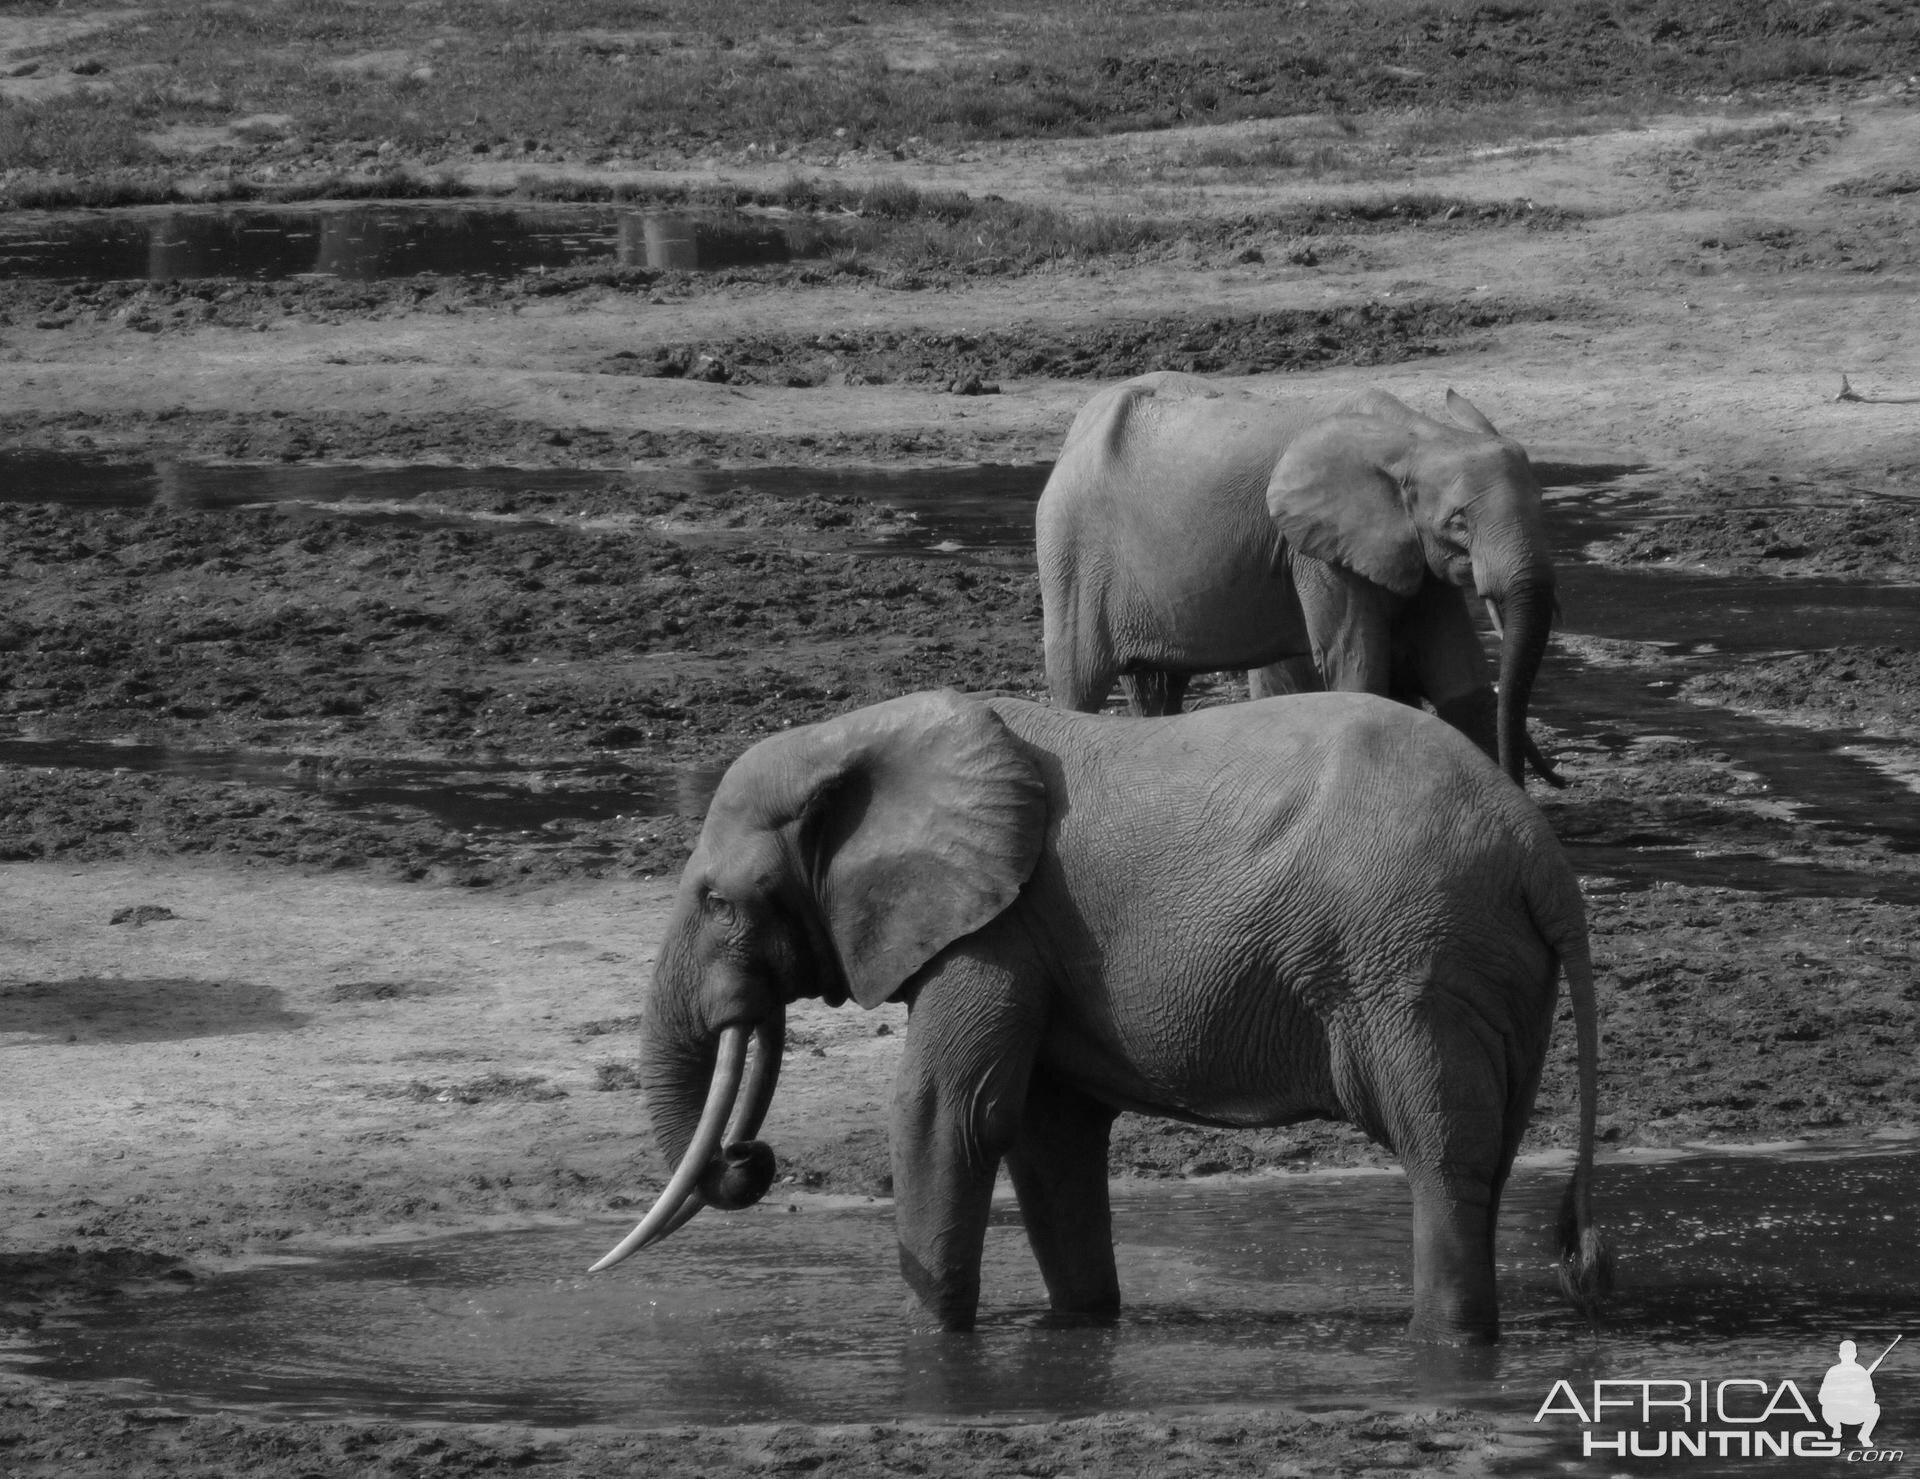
(707, 1103)
(1526, 610)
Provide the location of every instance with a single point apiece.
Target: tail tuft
(1586, 1260)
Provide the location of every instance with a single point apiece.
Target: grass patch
(1887, 183)
(1340, 149)
(126, 189)
(88, 192)
(598, 79)
(1452, 131)
(488, 1089)
(76, 133)
(1735, 136)
(611, 1078)
(1293, 339)
(1795, 59)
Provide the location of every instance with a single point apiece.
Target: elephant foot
(1444, 1332)
(1454, 1297)
(948, 1302)
(1076, 1316)
(919, 1320)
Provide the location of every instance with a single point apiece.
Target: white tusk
(667, 1213)
(769, 1043)
(1493, 615)
(763, 1072)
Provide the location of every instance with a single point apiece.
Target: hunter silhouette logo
(1744, 1416)
(1846, 1396)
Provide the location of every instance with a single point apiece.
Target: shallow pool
(1290, 1291)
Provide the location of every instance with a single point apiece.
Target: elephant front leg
(1437, 657)
(1349, 622)
(956, 1110)
(1058, 1162)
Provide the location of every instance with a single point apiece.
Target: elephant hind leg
(1153, 692)
(1058, 1162)
(1455, 1120)
(1454, 1300)
(1077, 685)
(1075, 647)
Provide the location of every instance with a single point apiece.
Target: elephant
(1326, 543)
(1324, 906)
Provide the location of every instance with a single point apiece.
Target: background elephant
(1329, 906)
(1188, 529)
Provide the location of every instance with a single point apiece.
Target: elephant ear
(1335, 494)
(1467, 414)
(922, 819)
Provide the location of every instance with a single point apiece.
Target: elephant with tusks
(1324, 543)
(1326, 906)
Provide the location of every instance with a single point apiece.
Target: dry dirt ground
(314, 1028)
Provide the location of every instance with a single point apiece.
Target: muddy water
(1291, 1290)
(362, 243)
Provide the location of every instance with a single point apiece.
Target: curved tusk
(693, 1165)
(689, 1209)
(769, 1043)
(763, 1072)
(1493, 615)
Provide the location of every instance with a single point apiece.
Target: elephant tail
(1586, 1261)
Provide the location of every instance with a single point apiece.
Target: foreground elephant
(1188, 529)
(1320, 907)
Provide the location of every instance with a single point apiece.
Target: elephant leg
(1078, 683)
(1439, 658)
(1291, 675)
(1454, 1301)
(1350, 624)
(1058, 1162)
(1153, 692)
(1455, 1104)
(957, 1105)
(1075, 647)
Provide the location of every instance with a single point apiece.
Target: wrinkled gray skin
(1325, 906)
(1322, 544)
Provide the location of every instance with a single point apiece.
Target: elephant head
(1399, 498)
(835, 862)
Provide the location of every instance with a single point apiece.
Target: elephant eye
(719, 910)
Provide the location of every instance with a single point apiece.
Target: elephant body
(1329, 906)
(1318, 543)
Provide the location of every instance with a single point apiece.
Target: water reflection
(365, 243)
(670, 241)
(188, 245)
